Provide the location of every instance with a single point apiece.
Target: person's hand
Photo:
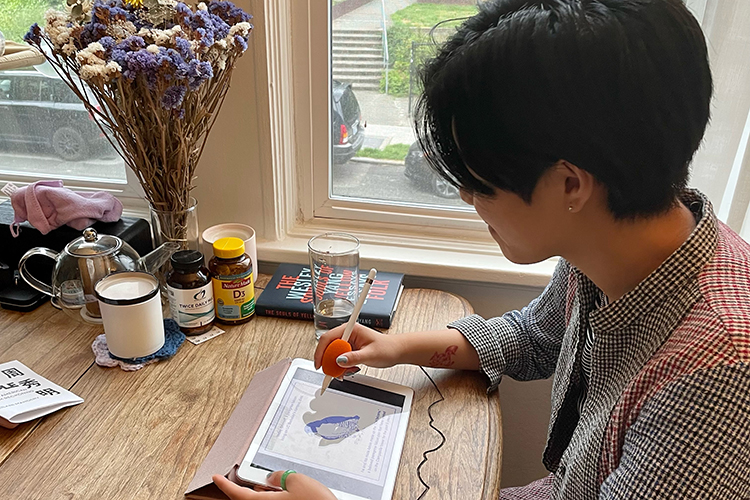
(369, 347)
(298, 487)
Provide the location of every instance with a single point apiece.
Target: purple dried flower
(239, 40)
(138, 63)
(118, 14)
(113, 10)
(198, 72)
(182, 12)
(132, 43)
(206, 37)
(178, 68)
(107, 42)
(229, 12)
(118, 56)
(173, 97)
(34, 36)
(91, 32)
(184, 48)
(208, 26)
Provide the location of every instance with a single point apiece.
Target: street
(375, 180)
(382, 182)
(33, 159)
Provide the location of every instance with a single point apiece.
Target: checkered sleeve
(523, 344)
(691, 440)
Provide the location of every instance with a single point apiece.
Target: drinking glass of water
(334, 263)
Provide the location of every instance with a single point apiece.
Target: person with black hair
(570, 126)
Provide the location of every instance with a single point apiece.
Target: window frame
(127, 190)
(325, 205)
(417, 240)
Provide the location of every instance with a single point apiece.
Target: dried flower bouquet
(153, 74)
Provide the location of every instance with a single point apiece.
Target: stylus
(353, 319)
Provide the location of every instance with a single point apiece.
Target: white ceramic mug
(233, 230)
(130, 304)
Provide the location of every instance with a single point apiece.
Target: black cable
(442, 436)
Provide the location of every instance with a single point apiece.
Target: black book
(289, 295)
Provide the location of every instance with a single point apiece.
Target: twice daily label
(192, 308)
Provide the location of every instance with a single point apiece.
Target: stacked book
(289, 295)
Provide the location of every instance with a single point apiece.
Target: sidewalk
(380, 136)
(370, 15)
(387, 118)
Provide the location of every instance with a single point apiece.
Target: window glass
(377, 50)
(62, 93)
(45, 131)
(46, 92)
(4, 89)
(26, 89)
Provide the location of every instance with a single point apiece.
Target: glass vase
(180, 226)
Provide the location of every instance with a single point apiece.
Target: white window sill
(478, 262)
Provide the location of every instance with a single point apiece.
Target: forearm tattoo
(445, 359)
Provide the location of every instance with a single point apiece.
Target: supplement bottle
(232, 276)
(191, 296)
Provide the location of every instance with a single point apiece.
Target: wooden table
(143, 434)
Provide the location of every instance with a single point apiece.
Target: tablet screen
(344, 439)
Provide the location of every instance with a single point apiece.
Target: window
(721, 167)
(371, 177)
(45, 131)
(313, 193)
(377, 49)
(302, 185)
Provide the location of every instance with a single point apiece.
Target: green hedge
(400, 38)
(427, 15)
(390, 152)
(17, 15)
(412, 25)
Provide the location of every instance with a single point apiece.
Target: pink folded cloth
(48, 205)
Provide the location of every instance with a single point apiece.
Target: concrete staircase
(358, 57)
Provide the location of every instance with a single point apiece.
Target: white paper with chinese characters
(24, 395)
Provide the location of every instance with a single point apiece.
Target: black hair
(619, 88)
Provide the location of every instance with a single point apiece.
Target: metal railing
(386, 58)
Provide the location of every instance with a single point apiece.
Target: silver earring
(570, 208)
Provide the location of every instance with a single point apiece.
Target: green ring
(283, 478)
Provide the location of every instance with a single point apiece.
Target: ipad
(350, 438)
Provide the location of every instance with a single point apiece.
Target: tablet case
(230, 447)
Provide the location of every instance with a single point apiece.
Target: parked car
(424, 177)
(348, 133)
(40, 109)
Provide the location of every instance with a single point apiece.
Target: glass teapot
(82, 263)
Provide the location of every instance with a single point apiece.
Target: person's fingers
(301, 486)
(362, 336)
(275, 478)
(233, 490)
(360, 357)
(323, 342)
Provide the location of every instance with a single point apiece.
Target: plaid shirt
(667, 412)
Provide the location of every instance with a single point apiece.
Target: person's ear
(579, 186)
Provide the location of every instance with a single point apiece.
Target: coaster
(101, 351)
(173, 339)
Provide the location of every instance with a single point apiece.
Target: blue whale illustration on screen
(333, 427)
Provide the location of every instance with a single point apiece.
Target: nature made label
(234, 296)
(192, 308)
